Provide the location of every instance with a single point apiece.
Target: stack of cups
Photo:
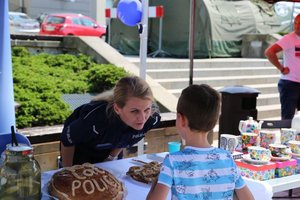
(229, 142)
(287, 134)
(295, 148)
(267, 137)
(288, 138)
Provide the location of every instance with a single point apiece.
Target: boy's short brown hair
(200, 104)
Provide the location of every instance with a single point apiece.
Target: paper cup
(174, 146)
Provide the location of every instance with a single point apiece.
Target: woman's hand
(113, 154)
(285, 70)
(111, 158)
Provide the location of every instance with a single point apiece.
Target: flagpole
(7, 108)
(192, 39)
(143, 55)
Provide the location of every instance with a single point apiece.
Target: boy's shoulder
(193, 154)
(208, 149)
(207, 152)
(195, 150)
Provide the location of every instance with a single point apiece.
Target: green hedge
(40, 80)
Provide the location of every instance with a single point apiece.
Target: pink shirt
(290, 44)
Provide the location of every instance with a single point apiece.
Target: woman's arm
(67, 154)
(116, 152)
(271, 54)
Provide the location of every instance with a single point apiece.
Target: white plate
(45, 194)
(280, 158)
(247, 158)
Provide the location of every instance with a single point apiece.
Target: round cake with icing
(85, 182)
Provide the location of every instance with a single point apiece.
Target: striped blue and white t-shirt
(201, 173)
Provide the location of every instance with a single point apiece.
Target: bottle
(296, 122)
(20, 174)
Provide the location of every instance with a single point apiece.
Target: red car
(71, 24)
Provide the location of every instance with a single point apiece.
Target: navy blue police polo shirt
(94, 135)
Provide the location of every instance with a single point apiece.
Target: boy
(199, 171)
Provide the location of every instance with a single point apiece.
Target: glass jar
(20, 174)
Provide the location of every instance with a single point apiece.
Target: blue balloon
(130, 12)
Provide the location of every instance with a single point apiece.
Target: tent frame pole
(192, 38)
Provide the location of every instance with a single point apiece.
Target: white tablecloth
(136, 191)
(260, 189)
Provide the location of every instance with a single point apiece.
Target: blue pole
(7, 109)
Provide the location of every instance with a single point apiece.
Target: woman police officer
(99, 130)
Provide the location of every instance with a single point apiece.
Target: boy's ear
(183, 120)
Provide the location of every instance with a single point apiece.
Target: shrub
(104, 77)
(20, 52)
(40, 80)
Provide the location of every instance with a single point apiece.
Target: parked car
(71, 24)
(22, 23)
(41, 18)
(287, 11)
